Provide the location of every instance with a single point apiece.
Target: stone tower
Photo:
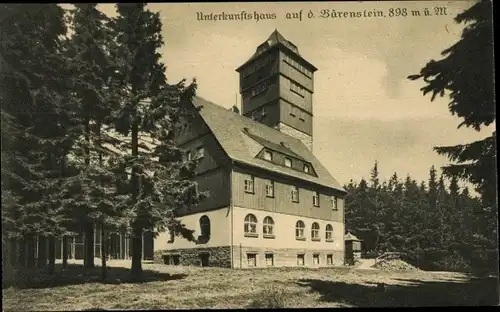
(276, 87)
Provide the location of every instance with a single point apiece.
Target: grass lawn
(167, 287)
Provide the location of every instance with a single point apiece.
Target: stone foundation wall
(221, 257)
(286, 257)
(217, 256)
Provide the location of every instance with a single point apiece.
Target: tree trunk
(30, 251)
(89, 246)
(13, 251)
(136, 251)
(136, 269)
(52, 254)
(42, 252)
(21, 260)
(64, 251)
(88, 258)
(104, 269)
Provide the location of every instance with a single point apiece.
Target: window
(269, 259)
(268, 155)
(261, 87)
(249, 184)
(295, 194)
(176, 259)
(300, 259)
(270, 188)
(189, 156)
(329, 259)
(299, 230)
(263, 112)
(200, 152)
(288, 162)
(306, 168)
(316, 259)
(329, 233)
(251, 225)
(315, 231)
(316, 199)
(268, 227)
(335, 203)
(171, 239)
(251, 259)
(205, 226)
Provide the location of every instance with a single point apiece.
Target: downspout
(231, 207)
(343, 224)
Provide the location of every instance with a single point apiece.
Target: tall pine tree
(159, 178)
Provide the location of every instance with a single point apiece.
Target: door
(204, 259)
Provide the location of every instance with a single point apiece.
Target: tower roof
(274, 40)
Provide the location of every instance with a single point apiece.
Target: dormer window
(200, 152)
(306, 168)
(268, 155)
(288, 162)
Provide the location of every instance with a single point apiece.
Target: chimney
(235, 109)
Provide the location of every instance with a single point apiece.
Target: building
(272, 203)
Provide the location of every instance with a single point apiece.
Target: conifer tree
(89, 51)
(38, 110)
(150, 107)
(465, 75)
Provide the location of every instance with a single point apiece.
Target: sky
(365, 109)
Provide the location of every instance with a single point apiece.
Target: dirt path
(366, 264)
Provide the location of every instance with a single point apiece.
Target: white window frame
(250, 224)
(300, 229)
(301, 259)
(251, 259)
(329, 259)
(329, 232)
(249, 184)
(200, 152)
(268, 155)
(316, 260)
(335, 203)
(315, 231)
(268, 226)
(316, 199)
(270, 188)
(267, 257)
(295, 194)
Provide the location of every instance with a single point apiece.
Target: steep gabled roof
(276, 39)
(233, 131)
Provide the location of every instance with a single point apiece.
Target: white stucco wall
(284, 231)
(220, 227)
